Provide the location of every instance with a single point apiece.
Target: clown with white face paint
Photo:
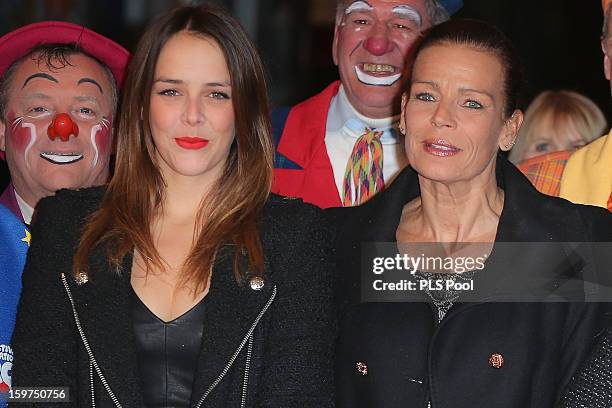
(342, 146)
(57, 107)
(361, 16)
(58, 95)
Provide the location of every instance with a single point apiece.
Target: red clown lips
(62, 126)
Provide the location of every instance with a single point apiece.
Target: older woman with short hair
(511, 329)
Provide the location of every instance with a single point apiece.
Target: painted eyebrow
(179, 82)
(409, 13)
(359, 5)
(39, 75)
(91, 81)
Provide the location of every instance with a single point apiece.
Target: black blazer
(410, 360)
(292, 318)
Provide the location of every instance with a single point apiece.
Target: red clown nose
(62, 126)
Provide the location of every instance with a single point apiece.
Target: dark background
(558, 40)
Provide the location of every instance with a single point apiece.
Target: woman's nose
(194, 112)
(443, 116)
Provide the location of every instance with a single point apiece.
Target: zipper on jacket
(247, 365)
(248, 337)
(92, 361)
(94, 364)
(91, 386)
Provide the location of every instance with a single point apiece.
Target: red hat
(18, 43)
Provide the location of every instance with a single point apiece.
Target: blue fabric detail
(279, 118)
(452, 6)
(13, 249)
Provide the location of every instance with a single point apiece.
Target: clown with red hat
(58, 85)
(58, 90)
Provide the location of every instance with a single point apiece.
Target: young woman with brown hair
(190, 284)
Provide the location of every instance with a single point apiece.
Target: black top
(292, 317)
(393, 354)
(167, 353)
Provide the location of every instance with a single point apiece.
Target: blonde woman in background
(555, 121)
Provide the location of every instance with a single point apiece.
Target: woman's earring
(401, 129)
(509, 145)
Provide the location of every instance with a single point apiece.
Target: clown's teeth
(61, 158)
(367, 79)
(378, 68)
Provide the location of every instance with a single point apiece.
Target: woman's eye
(472, 104)
(424, 96)
(219, 95)
(542, 147)
(169, 92)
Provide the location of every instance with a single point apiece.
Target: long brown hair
(232, 212)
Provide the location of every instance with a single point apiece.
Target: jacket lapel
(103, 307)
(527, 217)
(231, 311)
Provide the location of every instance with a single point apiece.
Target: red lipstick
(440, 148)
(191, 143)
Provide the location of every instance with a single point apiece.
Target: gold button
(81, 278)
(496, 360)
(256, 283)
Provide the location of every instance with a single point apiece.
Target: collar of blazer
(103, 307)
(527, 217)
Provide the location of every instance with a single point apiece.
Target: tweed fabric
(292, 354)
(592, 386)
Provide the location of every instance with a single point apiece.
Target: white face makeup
(18, 122)
(50, 156)
(409, 13)
(358, 6)
(377, 81)
(60, 157)
(104, 125)
(58, 132)
(372, 43)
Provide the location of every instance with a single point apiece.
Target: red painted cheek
(104, 140)
(20, 136)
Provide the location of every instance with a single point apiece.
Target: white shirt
(339, 140)
(26, 210)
